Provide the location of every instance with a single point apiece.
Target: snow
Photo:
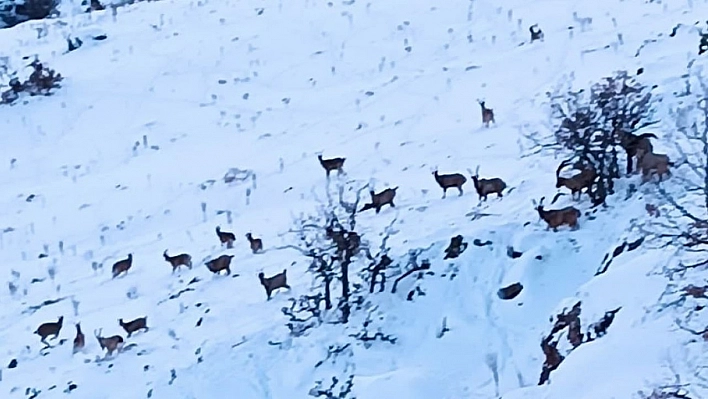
(215, 85)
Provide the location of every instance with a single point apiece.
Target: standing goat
(650, 162)
(178, 260)
(256, 243)
(485, 187)
(632, 144)
(448, 181)
(223, 262)
(135, 325)
(110, 344)
(487, 114)
(225, 237)
(122, 266)
(578, 182)
(51, 328)
(332, 164)
(379, 200)
(79, 340)
(273, 283)
(559, 217)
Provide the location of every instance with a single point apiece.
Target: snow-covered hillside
(129, 155)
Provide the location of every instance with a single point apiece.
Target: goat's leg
(444, 192)
(392, 204)
(461, 192)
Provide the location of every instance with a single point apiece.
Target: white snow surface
(390, 85)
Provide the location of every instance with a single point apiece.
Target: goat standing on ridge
(79, 340)
(558, 217)
(178, 260)
(332, 164)
(485, 187)
(223, 262)
(487, 114)
(650, 162)
(632, 144)
(448, 181)
(273, 283)
(379, 200)
(135, 325)
(122, 266)
(110, 344)
(255, 243)
(579, 181)
(225, 237)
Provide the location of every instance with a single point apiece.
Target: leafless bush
(592, 124)
(40, 82)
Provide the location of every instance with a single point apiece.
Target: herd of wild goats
(216, 266)
(635, 146)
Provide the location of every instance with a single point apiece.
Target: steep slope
(128, 158)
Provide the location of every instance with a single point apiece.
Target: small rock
(480, 243)
(13, 364)
(513, 254)
(457, 246)
(510, 292)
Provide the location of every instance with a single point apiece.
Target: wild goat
(110, 344)
(273, 283)
(79, 340)
(485, 187)
(379, 200)
(448, 181)
(135, 325)
(256, 243)
(178, 260)
(559, 217)
(225, 237)
(650, 162)
(332, 164)
(122, 266)
(51, 328)
(487, 114)
(223, 262)
(578, 182)
(632, 143)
